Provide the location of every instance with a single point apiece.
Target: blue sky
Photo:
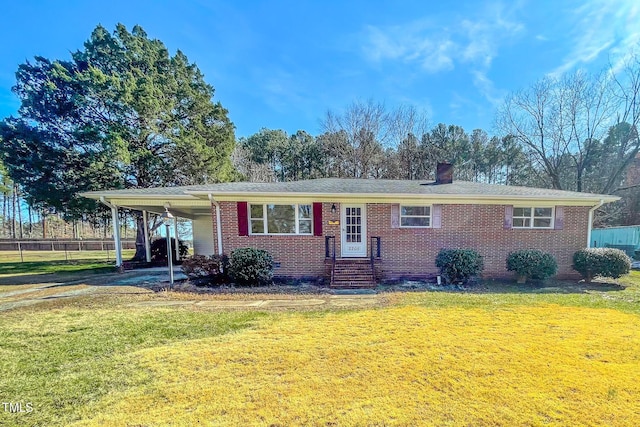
(283, 64)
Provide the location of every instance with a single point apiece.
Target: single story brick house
(375, 228)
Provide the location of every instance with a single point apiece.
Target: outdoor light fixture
(167, 219)
(333, 208)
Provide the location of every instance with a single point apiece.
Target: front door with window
(354, 231)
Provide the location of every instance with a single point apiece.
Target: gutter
(218, 224)
(590, 224)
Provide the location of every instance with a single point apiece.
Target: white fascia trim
(401, 198)
(391, 198)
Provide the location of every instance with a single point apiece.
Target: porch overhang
(185, 207)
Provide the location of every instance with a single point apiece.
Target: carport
(156, 201)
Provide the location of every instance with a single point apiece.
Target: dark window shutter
(436, 216)
(243, 219)
(558, 224)
(508, 217)
(395, 216)
(317, 219)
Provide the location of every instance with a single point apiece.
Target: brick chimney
(444, 173)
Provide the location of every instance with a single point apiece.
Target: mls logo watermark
(17, 407)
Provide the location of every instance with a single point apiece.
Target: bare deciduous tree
(369, 130)
(366, 128)
(570, 126)
(250, 169)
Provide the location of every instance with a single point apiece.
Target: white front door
(354, 230)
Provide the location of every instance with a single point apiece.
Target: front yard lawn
(47, 262)
(428, 358)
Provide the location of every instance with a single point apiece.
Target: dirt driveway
(26, 290)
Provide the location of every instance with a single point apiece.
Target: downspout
(590, 225)
(116, 230)
(218, 224)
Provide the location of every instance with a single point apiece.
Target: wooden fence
(63, 244)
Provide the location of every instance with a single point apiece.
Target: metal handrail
(377, 255)
(333, 261)
(333, 254)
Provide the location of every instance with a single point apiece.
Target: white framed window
(532, 217)
(280, 219)
(415, 216)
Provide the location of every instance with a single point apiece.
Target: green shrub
(458, 265)
(532, 263)
(212, 268)
(249, 266)
(603, 262)
(159, 249)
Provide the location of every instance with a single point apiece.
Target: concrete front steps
(353, 273)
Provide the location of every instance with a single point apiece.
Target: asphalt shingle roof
(333, 186)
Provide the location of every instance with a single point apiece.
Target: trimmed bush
(603, 262)
(159, 249)
(212, 268)
(458, 265)
(532, 263)
(249, 266)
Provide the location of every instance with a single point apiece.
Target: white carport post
(147, 243)
(218, 223)
(116, 235)
(177, 245)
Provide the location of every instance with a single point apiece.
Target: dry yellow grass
(539, 365)
(11, 288)
(40, 293)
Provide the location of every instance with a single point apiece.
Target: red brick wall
(298, 256)
(412, 252)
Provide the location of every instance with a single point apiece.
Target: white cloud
(409, 46)
(486, 35)
(439, 46)
(442, 45)
(381, 46)
(486, 87)
(602, 27)
(436, 56)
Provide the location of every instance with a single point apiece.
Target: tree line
(122, 112)
(338, 152)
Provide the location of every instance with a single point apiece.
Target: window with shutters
(415, 216)
(280, 219)
(532, 217)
